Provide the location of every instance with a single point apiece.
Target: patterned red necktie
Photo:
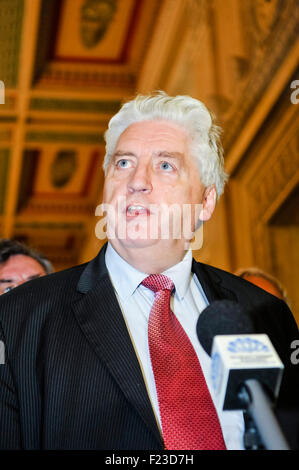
(188, 416)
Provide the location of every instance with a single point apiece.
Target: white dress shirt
(187, 303)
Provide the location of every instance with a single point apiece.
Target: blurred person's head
(19, 264)
(264, 281)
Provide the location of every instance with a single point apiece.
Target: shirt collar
(181, 274)
(125, 278)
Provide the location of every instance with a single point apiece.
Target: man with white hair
(105, 355)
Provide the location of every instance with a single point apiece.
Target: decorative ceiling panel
(61, 241)
(11, 17)
(99, 32)
(60, 179)
(102, 45)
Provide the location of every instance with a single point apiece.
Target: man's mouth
(133, 210)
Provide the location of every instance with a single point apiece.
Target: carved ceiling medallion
(63, 168)
(96, 16)
(266, 14)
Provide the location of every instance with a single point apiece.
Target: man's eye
(166, 166)
(123, 163)
(8, 289)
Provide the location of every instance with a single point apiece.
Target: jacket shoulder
(39, 296)
(243, 289)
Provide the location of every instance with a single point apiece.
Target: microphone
(244, 365)
(222, 317)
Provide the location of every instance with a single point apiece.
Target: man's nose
(140, 180)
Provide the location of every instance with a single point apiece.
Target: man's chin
(161, 246)
(139, 242)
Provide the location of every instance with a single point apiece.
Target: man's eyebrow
(123, 153)
(35, 276)
(165, 153)
(160, 153)
(9, 281)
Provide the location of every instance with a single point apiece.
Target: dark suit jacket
(71, 378)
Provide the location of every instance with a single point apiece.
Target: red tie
(188, 416)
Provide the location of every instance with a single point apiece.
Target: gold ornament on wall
(266, 14)
(63, 168)
(96, 16)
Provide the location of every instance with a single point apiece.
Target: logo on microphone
(215, 370)
(246, 345)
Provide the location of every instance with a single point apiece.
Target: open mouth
(134, 210)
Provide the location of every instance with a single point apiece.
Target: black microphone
(244, 365)
(222, 317)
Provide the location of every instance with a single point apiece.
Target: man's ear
(208, 203)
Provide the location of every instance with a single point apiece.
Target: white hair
(191, 114)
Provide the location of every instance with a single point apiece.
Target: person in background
(19, 264)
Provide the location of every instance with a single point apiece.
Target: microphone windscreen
(222, 317)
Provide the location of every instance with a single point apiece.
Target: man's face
(151, 173)
(17, 270)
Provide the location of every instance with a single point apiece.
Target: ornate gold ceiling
(68, 64)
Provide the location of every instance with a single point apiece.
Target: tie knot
(157, 282)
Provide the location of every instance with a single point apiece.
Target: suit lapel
(101, 320)
(212, 283)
